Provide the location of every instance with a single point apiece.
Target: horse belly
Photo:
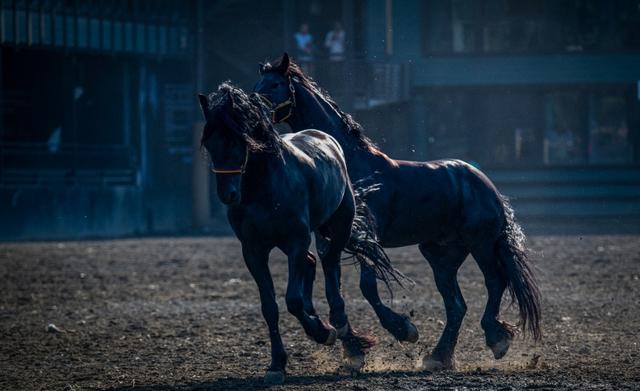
(422, 208)
(415, 225)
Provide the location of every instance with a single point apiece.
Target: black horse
(447, 207)
(278, 191)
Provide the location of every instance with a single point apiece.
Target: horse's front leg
(309, 278)
(317, 329)
(257, 261)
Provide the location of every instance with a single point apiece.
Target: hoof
(333, 335)
(401, 328)
(432, 364)
(354, 363)
(505, 334)
(500, 348)
(412, 333)
(274, 377)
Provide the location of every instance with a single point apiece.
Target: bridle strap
(284, 104)
(240, 170)
(290, 103)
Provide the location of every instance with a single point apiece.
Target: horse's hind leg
(445, 262)
(398, 325)
(498, 335)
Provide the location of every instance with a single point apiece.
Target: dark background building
(98, 115)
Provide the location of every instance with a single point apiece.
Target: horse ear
(204, 104)
(284, 63)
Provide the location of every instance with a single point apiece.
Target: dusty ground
(184, 313)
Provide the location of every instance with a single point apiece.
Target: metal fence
(367, 84)
(158, 27)
(31, 164)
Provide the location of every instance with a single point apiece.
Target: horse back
(316, 144)
(433, 200)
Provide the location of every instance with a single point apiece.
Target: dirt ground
(184, 314)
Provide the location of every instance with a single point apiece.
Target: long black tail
(364, 245)
(522, 285)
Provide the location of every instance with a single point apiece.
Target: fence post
(201, 209)
(348, 74)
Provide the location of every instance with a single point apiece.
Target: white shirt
(335, 42)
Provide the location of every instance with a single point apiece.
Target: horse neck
(313, 112)
(262, 163)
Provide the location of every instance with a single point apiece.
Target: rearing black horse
(447, 207)
(278, 191)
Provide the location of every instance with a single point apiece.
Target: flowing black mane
(245, 114)
(353, 127)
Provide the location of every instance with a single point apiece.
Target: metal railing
(367, 83)
(127, 26)
(34, 164)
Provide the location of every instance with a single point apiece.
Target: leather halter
(239, 170)
(290, 103)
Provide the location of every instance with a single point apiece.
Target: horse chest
(273, 223)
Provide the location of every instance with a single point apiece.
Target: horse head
(235, 127)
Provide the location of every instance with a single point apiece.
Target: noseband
(239, 170)
(231, 123)
(289, 103)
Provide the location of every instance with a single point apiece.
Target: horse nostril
(233, 195)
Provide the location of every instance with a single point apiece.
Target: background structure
(98, 111)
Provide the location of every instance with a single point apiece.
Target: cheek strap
(274, 113)
(289, 103)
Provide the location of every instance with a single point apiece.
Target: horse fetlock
(355, 344)
(331, 338)
(343, 331)
(508, 328)
(324, 334)
(354, 348)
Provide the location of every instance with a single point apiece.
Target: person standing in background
(304, 43)
(334, 42)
